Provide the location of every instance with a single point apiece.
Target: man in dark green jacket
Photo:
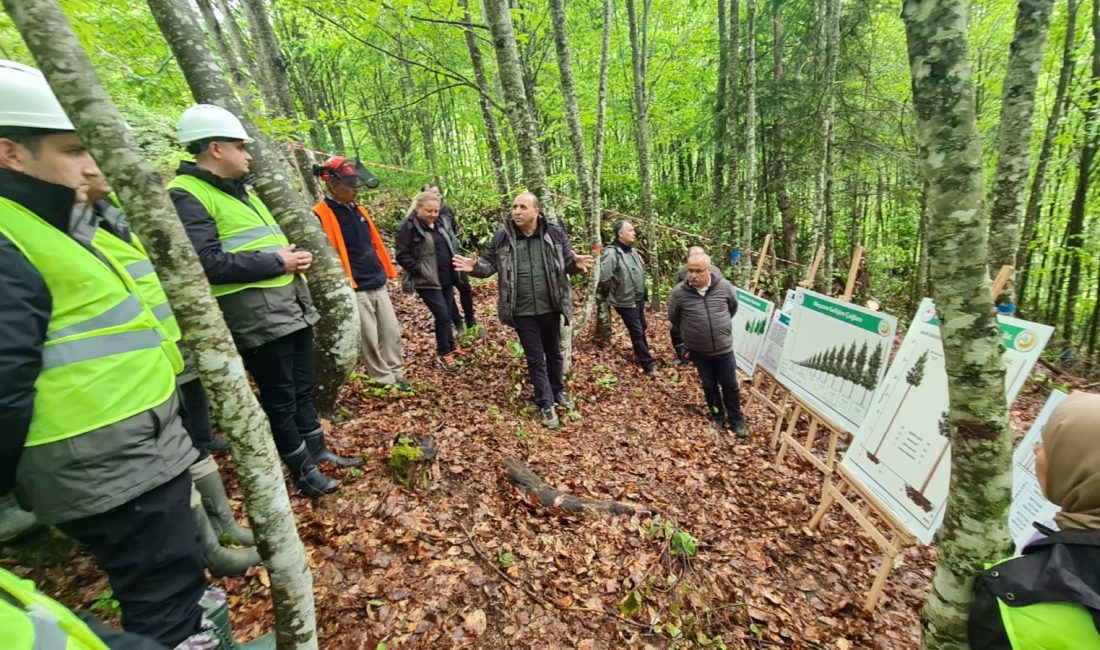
(534, 260)
(702, 307)
(622, 285)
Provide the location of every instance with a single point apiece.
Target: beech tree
(975, 526)
(66, 66)
(338, 330)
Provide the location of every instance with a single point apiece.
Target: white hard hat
(26, 99)
(203, 121)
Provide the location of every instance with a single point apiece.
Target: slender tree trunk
(734, 185)
(270, 58)
(975, 526)
(60, 57)
(499, 19)
(337, 333)
(1014, 135)
(750, 139)
(783, 200)
(828, 128)
(721, 112)
(595, 220)
(1075, 230)
(1038, 183)
(639, 63)
(496, 158)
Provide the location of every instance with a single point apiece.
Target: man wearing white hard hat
(255, 274)
(92, 438)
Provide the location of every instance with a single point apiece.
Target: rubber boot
(315, 442)
(204, 473)
(15, 521)
(220, 560)
(306, 476)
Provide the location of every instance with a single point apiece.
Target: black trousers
(466, 298)
(441, 302)
(634, 319)
(195, 412)
(283, 371)
(541, 341)
(152, 556)
(718, 374)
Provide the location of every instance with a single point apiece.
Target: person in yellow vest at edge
(209, 503)
(367, 264)
(92, 438)
(30, 620)
(1049, 597)
(255, 274)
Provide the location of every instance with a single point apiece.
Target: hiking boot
(15, 521)
(208, 482)
(650, 370)
(218, 443)
(220, 560)
(565, 401)
(550, 418)
(450, 362)
(402, 385)
(315, 443)
(740, 430)
(306, 476)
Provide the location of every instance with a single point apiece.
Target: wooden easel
(804, 448)
(896, 534)
(891, 541)
(811, 274)
(760, 263)
(853, 272)
(774, 397)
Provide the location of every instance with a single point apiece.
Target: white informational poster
(788, 301)
(835, 356)
(1028, 503)
(773, 342)
(750, 325)
(902, 451)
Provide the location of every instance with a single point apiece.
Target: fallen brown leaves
(466, 564)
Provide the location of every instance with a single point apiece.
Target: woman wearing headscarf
(424, 250)
(1049, 597)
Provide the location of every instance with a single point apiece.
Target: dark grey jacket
(96, 471)
(254, 316)
(622, 276)
(414, 249)
(704, 320)
(558, 259)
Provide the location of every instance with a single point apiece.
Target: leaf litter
(468, 562)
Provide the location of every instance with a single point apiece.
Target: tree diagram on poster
(902, 451)
(834, 356)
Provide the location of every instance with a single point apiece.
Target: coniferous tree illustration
(913, 378)
(917, 496)
(859, 376)
(870, 377)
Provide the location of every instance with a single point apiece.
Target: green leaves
(631, 604)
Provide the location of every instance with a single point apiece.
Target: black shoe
(650, 371)
(402, 385)
(717, 421)
(740, 430)
(306, 476)
(565, 401)
(218, 443)
(550, 418)
(315, 443)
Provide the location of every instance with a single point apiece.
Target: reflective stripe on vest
(135, 263)
(99, 367)
(40, 623)
(241, 229)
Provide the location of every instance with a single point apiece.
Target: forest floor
(468, 562)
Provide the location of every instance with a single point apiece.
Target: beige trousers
(379, 336)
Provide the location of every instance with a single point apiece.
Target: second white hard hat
(26, 100)
(203, 121)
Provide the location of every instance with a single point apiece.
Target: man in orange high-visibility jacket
(367, 264)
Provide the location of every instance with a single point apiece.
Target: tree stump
(411, 459)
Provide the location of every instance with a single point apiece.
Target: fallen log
(537, 492)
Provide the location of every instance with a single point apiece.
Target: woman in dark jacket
(425, 248)
(1049, 597)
